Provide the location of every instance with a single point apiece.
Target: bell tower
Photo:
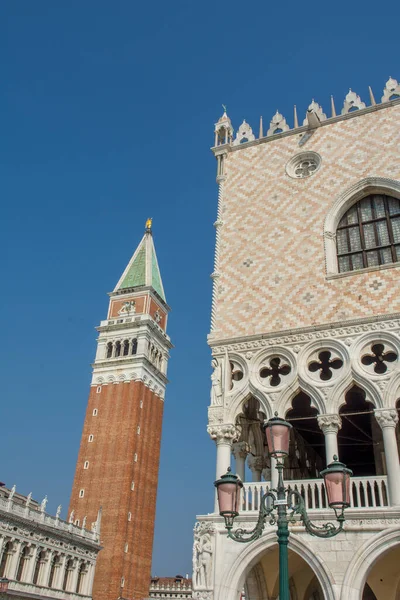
(117, 467)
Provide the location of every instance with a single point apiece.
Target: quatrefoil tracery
(379, 357)
(325, 364)
(275, 371)
(236, 373)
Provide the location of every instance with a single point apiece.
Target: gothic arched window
(117, 348)
(126, 348)
(368, 234)
(109, 350)
(134, 346)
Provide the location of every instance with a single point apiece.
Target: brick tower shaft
(118, 461)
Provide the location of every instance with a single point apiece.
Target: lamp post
(285, 501)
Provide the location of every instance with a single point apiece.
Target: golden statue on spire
(148, 224)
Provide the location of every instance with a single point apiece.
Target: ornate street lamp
(286, 501)
(4, 585)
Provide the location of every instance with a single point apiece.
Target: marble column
(330, 425)
(13, 560)
(59, 574)
(73, 579)
(387, 420)
(44, 572)
(240, 451)
(256, 465)
(224, 436)
(30, 564)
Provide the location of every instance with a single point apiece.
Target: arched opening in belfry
(262, 581)
(360, 439)
(307, 446)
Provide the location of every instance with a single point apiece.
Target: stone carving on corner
(352, 102)
(391, 91)
(223, 431)
(244, 134)
(278, 124)
(216, 383)
(203, 554)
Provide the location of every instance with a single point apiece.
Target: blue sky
(107, 113)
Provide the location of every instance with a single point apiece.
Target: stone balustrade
(45, 519)
(366, 493)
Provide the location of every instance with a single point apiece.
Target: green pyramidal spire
(143, 269)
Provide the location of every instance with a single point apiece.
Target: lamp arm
(326, 530)
(248, 535)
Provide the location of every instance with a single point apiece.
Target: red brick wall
(107, 483)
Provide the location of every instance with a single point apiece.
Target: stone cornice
(130, 361)
(292, 335)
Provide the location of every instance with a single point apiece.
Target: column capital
(256, 463)
(386, 417)
(329, 423)
(240, 449)
(226, 433)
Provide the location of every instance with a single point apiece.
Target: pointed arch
(368, 185)
(285, 401)
(339, 391)
(236, 402)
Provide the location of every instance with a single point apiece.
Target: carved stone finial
(28, 499)
(371, 96)
(278, 124)
(72, 516)
(296, 120)
(333, 109)
(391, 90)
(12, 492)
(352, 102)
(261, 134)
(315, 110)
(244, 134)
(43, 504)
(58, 511)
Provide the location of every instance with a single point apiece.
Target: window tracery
(368, 234)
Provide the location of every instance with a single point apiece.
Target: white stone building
(306, 323)
(41, 555)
